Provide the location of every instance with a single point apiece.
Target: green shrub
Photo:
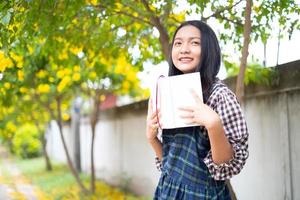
(26, 143)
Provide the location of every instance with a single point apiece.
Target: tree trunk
(94, 119)
(164, 40)
(240, 89)
(278, 46)
(44, 143)
(45, 153)
(70, 164)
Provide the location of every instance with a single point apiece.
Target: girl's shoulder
(219, 91)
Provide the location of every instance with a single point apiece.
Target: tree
(247, 31)
(59, 63)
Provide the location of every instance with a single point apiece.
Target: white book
(173, 92)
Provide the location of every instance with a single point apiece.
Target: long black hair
(210, 60)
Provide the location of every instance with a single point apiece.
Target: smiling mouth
(185, 59)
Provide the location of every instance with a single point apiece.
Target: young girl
(196, 161)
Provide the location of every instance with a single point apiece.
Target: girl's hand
(200, 113)
(152, 122)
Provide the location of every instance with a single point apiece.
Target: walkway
(13, 185)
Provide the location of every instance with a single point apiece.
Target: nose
(185, 48)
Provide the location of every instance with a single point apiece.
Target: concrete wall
(123, 156)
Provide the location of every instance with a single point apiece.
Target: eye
(195, 43)
(177, 43)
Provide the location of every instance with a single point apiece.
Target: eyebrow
(190, 38)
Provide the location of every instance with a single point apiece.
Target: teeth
(185, 59)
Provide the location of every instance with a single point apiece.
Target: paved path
(13, 185)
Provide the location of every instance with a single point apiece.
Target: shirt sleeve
(158, 163)
(226, 105)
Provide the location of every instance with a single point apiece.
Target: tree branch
(218, 12)
(164, 36)
(136, 18)
(239, 23)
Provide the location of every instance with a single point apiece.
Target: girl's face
(186, 50)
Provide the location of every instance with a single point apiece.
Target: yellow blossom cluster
(7, 85)
(23, 90)
(76, 77)
(65, 116)
(42, 74)
(20, 75)
(92, 2)
(5, 62)
(63, 83)
(63, 55)
(43, 88)
(10, 126)
(75, 50)
(18, 59)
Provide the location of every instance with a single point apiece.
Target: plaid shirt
(223, 101)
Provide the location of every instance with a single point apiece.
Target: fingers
(187, 115)
(153, 118)
(196, 97)
(186, 108)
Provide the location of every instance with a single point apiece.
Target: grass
(59, 184)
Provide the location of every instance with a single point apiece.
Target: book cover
(173, 92)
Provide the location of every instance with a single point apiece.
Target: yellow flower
(63, 83)
(67, 71)
(92, 75)
(2, 55)
(43, 88)
(21, 9)
(75, 21)
(30, 49)
(63, 56)
(41, 40)
(91, 53)
(27, 97)
(42, 74)
(59, 39)
(75, 50)
(3, 91)
(93, 2)
(18, 59)
(60, 74)
(76, 77)
(51, 79)
(4, 62)
(126, 86)
(131, 76)
(7, 85)
(53, 66)
(76, 68)
(65, 117)
(10, 126)
(66, 79)
(90, 64)
(23, 90)
(20, 75)
(64, 106)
